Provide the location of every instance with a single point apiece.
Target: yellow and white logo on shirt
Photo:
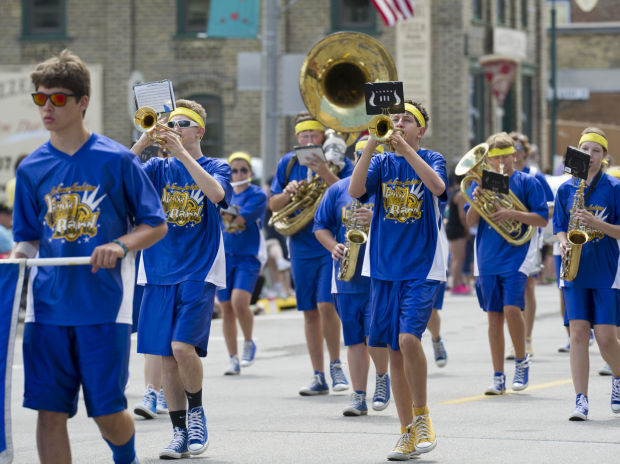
(402, 201)
(182, 204)
(72, 211)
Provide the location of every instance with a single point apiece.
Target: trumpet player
(245, 254)
(336, 215)
(406, 263)
(502, 268)
(591, 298)
(311, 265)
(182, 272)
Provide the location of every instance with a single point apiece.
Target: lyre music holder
(384, 97)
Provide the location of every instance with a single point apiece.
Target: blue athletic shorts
(354, 312)
(58, 359)
(313, 281)
(180, 313)
(241, 273)
(596, 305)
(438, 297)
(399, 307)
(499, 290)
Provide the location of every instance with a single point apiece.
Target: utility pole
(553, 84)
(270, 114)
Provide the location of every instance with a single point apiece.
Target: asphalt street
(258, 417)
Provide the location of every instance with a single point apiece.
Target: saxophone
(355, 237)
(577, 236)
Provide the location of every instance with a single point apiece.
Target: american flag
(393, 11)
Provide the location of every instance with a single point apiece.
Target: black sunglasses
(240, 170)
(57, 99)
(184, 123)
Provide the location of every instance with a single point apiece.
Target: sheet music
(158, 95)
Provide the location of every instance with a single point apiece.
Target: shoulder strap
(289, 168)
(592, 186)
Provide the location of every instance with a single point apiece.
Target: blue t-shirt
(252, 203)
(334, 207)
(540, 177)
(72, 204)
(599, 265)
(404, 239)
(303, 244)
(494, 255)
(193, 248)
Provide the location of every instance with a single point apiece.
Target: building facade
(137, 40)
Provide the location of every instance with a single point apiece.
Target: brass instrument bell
(145, 120)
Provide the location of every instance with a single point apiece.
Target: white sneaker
(233, 366)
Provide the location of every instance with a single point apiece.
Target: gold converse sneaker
(405, 446)
(425, 439)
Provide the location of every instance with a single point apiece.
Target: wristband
(122, 245)
(27, 249)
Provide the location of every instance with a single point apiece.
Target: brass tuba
(331, 83)
(471, 166)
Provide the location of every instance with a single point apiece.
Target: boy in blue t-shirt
(80, 194)
(182, 271)
(311, 264)
(246, 253)
(406, 261)
(591, 299)
(502, 267)
(352, 298)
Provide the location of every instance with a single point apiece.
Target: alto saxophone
(577, 236)
(355, 237)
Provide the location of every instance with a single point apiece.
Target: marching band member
(522, 152)
(591, 299)
(311, 264)
(245, 254)
(76, 195)
(352, 299)
(182, 271)
(502, 268)
(406, 264)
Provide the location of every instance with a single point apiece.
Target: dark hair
(419, 106)
(5, 209)
(65, 70)
(18, 161)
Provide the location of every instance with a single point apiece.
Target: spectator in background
(9, 189)
(6, 236)
(457, 232)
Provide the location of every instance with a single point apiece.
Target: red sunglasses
(57, 99)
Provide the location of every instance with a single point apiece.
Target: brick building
(588, 70)
(164, 39)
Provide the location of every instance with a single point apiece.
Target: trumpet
(381, 128)
(145, 120)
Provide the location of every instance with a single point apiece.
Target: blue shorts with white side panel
(58, 359)
(354, 312)
(496, 291)
(241, 273)
(180, 313)
(399, 307)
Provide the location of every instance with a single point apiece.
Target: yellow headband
(416, 113)
(501, 151)
(592, 137)
(359, 146)
(308, 125)
(181, 110)
(240, 155)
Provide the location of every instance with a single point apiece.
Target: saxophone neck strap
(592, 186)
